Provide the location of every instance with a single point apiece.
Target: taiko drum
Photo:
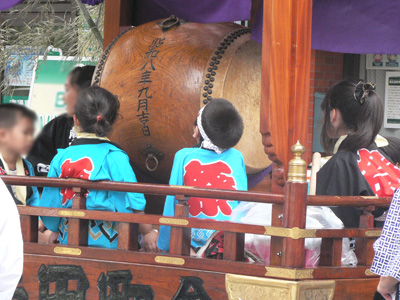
(163, 72)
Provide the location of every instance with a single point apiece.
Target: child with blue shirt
(215, 164)
(93, 157)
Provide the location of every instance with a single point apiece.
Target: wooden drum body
(163, 77)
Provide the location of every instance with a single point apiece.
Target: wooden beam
(285, 80)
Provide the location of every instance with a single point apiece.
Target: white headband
(207, 143)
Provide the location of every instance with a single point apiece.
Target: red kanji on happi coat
(214, 175)
(80, 169)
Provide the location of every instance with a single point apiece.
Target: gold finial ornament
(297, 166)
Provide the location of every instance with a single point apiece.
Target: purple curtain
(351, 26)
(7, 4)
(354, 26)
(202, 11)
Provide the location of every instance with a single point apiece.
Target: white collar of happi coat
(87, 135)
(19, 189)
(379, 140)
(338, 143)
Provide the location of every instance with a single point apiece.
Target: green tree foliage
(43, 26)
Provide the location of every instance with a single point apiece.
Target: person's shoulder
(343, 157)
(115, 151)
(185, 154)
(61, 153)
(187, 151)
(234, 152)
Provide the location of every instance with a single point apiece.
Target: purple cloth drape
(7, 4)
(354, 26)
(351, 26)
(202, 11)
(256, 31)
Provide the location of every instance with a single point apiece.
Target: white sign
(392, 100)
(23, 64)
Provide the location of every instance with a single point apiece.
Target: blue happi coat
(204, 168)
(92, 159)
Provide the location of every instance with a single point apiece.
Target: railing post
(295, 208)
(29, 226)
(331, 252)
(364, 246)
(77, 228)
(128, 236)
(276, 242)
(233, 246)
(180, 236)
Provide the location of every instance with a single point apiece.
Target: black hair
(9, 113)
(97, 110)
(361, 110)
(222, 123)
(392, 150)
(81, 77)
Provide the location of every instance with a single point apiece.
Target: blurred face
(70, 96)
(18, 139)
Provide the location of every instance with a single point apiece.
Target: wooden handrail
(163, 189)
(291, 234)
(359, 201)
(150, 189)
(190, 222)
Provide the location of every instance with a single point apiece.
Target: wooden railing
(287, 243)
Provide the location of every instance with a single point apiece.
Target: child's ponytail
(97, 110)
(102, 126)
(361, 109)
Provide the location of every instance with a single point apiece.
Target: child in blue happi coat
(93, 157)
(215, 164)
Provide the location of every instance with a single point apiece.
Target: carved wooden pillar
(285, 90)
(117, 13)
(285, 80)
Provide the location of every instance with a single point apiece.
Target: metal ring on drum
(153, 157)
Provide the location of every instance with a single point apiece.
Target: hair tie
(99, 117)
(363, 90)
